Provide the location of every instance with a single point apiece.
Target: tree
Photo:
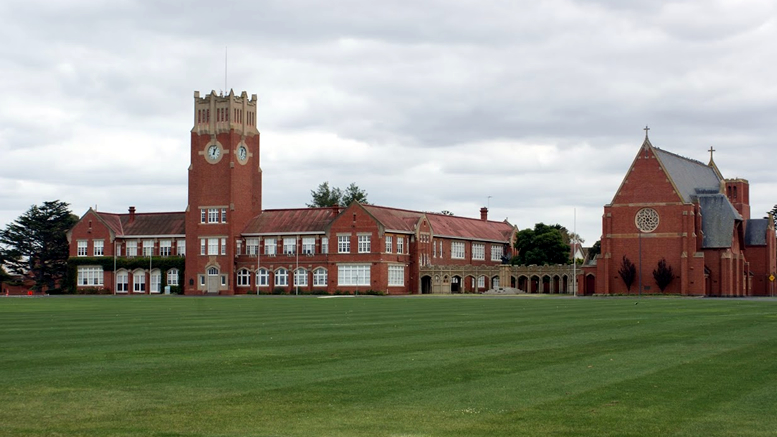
(663, 275)
(628, 272)
(35, 244)
(354, 194)
(541, 246)
(326, 196)
(596, 249)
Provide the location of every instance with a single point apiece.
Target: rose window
(646, 219)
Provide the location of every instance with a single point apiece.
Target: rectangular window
(262, 278)
(180, 246)
(139, 282)
(441, 249)
(396, 276)
(203, 247)
(364, 243)
(132, 248)
(213, 215)
(223, 215)
(118, 249)
(324, 245)
(213, 246)
(165, 247)
(301, 277)
(308, 245)
(122, 282)
(223, 246)
(82, 251)
(148, 247)
(496, 252)
(269, 246)
(252, 246)
(99, 247)
(172, 277)
(202, 280)
(350, 274)
(343, 244)
(481, 282)
(400, 245)
(290, 245)
(478, 251)
(156, 282)
(238, 247)
(389, 244)
(203, 216)
(319, 277)
(90, 276)
(457, 249)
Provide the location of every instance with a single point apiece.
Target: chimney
(132, 214)
(335, 210)
(484, 214)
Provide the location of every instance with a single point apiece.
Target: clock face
(214, 152)
(242, 153)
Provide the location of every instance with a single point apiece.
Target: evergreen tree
(663, 275)
(354, 194)
(325, 196)
(628, 272)
(35, 244)
(542, 245)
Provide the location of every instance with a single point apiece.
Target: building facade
(684, 212)
(225, 243)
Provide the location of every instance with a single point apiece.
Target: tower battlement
(216, 113)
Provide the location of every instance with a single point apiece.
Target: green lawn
(367, 366)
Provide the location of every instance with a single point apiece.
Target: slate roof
(718, 217)
(151, 223)
(291, 221)
(755, 232)
(688, 175)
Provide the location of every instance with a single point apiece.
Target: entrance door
(213, 280)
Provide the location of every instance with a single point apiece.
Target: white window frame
(324, 245)
(180, 247)
(165, 247)
(400, 245)
(343, 244)
(281, 277)
(497, 251)
(213, 215)
(481, 281)
(203, 246)
(243, 278)
(90, 276)
(148, 247)
(396, 275)
(213, 246)
(364, 243)
(320, 277)
(156, 281)
(223, 246)
(289, 245)
(389, 243)
(98, 247)
(83, 248)
(252, 246)
(132, 248)
(457, 250)
(309, 245)
(223, 215)
(139, 282)
(122, 281)
(172, 277)
(203, 215)
(353, 275)
(262, 278)
(301, 277)
(269, 246)
(479, 251)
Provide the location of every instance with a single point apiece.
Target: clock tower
(225, 188)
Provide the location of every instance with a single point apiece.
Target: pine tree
(35, 245)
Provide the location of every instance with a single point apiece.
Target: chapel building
(225, 243)
(683, 211)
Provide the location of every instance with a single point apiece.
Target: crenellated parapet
(217, 113)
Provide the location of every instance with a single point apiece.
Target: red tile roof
(469, 228)
(151, 223)
(289, 221)
(394, 219)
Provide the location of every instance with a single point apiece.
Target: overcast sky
(427, 105)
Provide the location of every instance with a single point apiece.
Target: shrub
(278, 290)
(628, 272)
(663, 275)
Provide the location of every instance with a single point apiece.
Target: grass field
(174, 366)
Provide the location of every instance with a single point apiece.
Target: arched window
(281, 277)
(495, 282)
(243, 278)
(122, 281)
(156, 281)
(481, 282)
(172, 277)
(213, 271)
(139, 281)
(319, 277)
(262, 278)
(301, 277)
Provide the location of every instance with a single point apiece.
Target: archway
(456, 284)
(426, 284)
(590, 284)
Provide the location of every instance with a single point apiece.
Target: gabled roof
(469, 228)
(291, 221)
(688, 175)
(150, 223)
(394, 219)
(755, 232)
(718, 218)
